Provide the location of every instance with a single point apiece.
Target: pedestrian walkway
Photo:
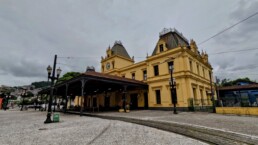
(225, 129)
(27, 128)
(241, 124)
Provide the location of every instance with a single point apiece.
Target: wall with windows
(188, 78)
(190, 69)
(136, 69)
(115, 62)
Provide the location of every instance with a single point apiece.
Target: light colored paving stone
(247, 125)
(27, 128)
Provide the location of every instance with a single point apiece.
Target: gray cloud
(25, 69)
(245, 32)
(243, 36)
(31, 32)
(246, 67)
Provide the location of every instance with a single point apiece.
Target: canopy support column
(66, 98)
(124, 98)
(83, 82)
(55, 101)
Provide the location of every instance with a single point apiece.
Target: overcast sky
(32, 32)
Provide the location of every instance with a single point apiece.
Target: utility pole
(216, 85)
(23, 96)
(212, 95)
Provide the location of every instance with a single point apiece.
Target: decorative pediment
(193, 46)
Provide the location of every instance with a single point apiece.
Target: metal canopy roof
(96, 83)
(241, 87)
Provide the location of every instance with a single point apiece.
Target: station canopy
(95, 83)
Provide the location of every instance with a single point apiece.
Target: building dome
(172, 39)
(119, 49)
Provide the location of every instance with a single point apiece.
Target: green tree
(68, 76)
(40, 84)
(6, 90)
(29, 94)
(13, 97)
(228, 82)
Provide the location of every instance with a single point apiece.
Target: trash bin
(56, 117)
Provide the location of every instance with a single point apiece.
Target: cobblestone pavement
(27, 127)
(240, 124)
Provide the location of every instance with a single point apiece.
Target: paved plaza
(246, 125)
(27, 128)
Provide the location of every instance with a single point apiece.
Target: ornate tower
(116, 57)
(169, 39)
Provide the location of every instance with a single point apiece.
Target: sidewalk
(27, 128)
(209, 127)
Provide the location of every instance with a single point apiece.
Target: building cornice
(196, 56)
(142, 63)
(113, 56)
(169, 52)
(177, 75)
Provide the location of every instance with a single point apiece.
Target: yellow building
(146, 84)
(192, 72)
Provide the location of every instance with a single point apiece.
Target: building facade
(192, 72)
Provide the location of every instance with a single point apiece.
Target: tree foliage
(6, 90)
(228, 82)
(13, 97)
(68, 76)
(40, 84)
(29, 94)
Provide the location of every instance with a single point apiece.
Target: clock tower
(108, 65)
(116, 58)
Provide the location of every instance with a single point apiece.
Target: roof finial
(118, 42)
(108, 48)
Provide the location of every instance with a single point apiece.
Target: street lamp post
(173, 89)
(212, 95)
(52, 78)
(23, 95)
(36, 102)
